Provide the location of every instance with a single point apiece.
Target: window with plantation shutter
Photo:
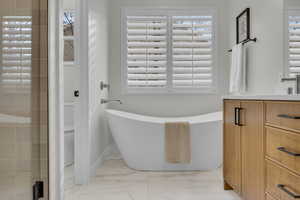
(192, 51)
(146, 51)
(293, 43)
(166, 51)
(16, 52)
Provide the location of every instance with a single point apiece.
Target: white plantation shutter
(16, 51)
(146, 52)
(168, 51)
(294, 44)
(192, 51)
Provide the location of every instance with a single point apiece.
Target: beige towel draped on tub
(177, 142)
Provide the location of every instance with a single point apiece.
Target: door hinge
(38, 190)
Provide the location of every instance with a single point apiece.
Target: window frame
(288, 12)
(169, 12)
(75, 40)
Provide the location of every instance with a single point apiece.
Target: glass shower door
(23, 100)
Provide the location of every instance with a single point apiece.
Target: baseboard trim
(107, 154)
(113, 153)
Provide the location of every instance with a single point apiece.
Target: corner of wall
(111, 152)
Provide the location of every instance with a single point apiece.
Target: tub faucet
(104, 101)
(297, 79)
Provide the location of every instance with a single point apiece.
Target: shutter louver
(294, 45)
(146, 51)
(16, 51)
(192, 51)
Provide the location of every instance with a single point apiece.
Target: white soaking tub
(141, 141)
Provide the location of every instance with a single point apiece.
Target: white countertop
(264, 97)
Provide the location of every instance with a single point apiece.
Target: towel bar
(246, 41)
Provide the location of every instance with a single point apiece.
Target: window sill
(210, 91)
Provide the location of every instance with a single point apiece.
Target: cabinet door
(252, 130)
(232, 147)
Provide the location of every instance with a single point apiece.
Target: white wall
(98, 64)
(166, 105)
(266, 60)
(292, 3)
(69, 4)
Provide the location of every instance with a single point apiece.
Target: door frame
(82, 137)
(56, 99)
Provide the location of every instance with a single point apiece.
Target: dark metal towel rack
(246, 41)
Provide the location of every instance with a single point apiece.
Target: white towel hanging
(238, 69)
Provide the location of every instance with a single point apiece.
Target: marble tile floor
(115, 181)
(69, 178)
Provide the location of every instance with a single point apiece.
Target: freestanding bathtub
(141, 141)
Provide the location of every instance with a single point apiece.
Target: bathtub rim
(198, 119)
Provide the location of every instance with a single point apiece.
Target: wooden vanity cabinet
(232, 147)
(244, 148)
(262, 149)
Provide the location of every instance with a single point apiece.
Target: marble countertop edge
(270, 97)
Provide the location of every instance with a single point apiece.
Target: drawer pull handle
(283, 188)
(237, 116)
(288, 116)
(288, 152)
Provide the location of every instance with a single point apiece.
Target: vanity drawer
(284, 147)
(283, 114)
(282, 184)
